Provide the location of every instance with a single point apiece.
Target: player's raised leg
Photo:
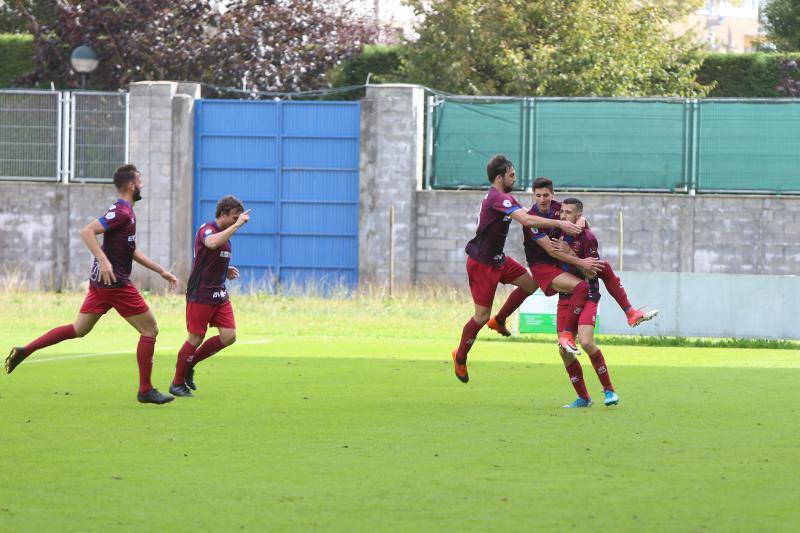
(145, 324)
(82, 325)
(617, 291)
(183, 382)
(525, 287)
(579, 290)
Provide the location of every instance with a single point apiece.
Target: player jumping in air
(207, 301)
(110, 285)
(487, 265)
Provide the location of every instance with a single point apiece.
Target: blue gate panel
(338, 185)
(326, 119)
(239, 118)
(307, 153)
(254, 184)
(318, 218)
(296, 165)
(238, 152)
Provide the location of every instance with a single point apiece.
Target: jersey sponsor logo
(506, 203)
(219, 294)
(535, 230)
(111, 215)
(131, 238)
(208, 232)
(506, 218)
(224, 254)
(498, 257)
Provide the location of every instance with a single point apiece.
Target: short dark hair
(574, 201)
(124, 174)
(227, 204)
(543, 183)
(498, 166)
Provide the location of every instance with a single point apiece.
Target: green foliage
(16, 57)
(381, 63)
(751, 75)
(551, 47)
(783, 24)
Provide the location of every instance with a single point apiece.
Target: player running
(110, 285)
(487, 265)
(207, 301)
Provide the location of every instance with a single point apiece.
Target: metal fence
(63, 136)
(644, 144)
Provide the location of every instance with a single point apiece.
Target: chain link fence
(64, 136)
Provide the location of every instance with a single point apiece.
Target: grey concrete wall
(707, 305)
(39, 242)
(661, 232)
(390, 172)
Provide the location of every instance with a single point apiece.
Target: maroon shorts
(544, 274)
(588, 315)
(483, 278)
(200, 316)
(126, 300)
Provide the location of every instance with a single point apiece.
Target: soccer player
(110, 285)
(584, 245)
(487, 265)
(207, 301)
(544, 259)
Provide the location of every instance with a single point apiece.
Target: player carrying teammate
(110, 285)
(584, 245)
(207, 301)
(487, 265)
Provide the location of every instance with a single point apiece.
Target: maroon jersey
(119, 243)
(534, 253)
(584, 245)
(493, 221)
(209, 270)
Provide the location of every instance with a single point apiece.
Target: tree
(783, 24)
(552, 47)
(278, 45)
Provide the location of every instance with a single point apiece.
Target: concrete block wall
(390, 171)
(661, 232)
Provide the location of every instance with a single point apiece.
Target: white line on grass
(118, 352)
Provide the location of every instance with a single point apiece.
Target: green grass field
(345, 415)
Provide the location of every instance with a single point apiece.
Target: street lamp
(84, 61)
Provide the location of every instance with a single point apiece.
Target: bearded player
(110, 285)
(207, 301)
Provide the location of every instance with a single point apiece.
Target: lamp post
(84, 61)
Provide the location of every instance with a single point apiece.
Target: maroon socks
(468, 334)
(614, 287)
(576, 377)
(513, 302)
(599, 364)
(54, 336)
(207, 349)
(144, 357)
(185, 359)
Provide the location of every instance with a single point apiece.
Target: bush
(380, 62)
(16, 57)
(751, 75)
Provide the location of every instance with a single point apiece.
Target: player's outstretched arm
(589, 264)
(215, 240)
(140, 257)
(533, 221)
(89, 236)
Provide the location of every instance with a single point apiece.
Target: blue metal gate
(296, 165)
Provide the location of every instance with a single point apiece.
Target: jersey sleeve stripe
(103, 222)
(512, 209)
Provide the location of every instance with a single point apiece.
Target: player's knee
(150, 330)
(228, 338)
(588, 345)
(81, 331)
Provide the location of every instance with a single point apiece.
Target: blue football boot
(611, 397)
(579, 402)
